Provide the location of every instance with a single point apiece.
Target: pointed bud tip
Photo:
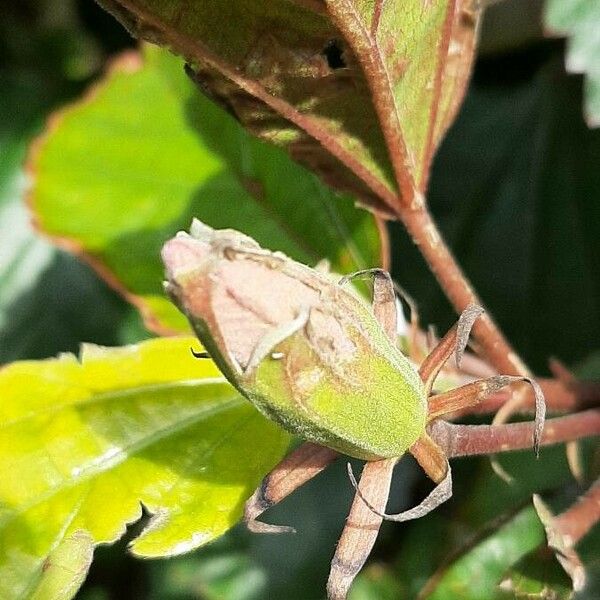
(183, 253)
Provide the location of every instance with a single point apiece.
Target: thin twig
(472, 440)
(577, 520)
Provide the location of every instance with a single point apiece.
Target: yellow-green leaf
(83, 445)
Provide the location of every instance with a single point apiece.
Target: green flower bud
(306, 351)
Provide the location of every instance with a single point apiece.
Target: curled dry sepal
(310, 354)
(564, 531)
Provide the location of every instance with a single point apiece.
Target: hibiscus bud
(306, 351)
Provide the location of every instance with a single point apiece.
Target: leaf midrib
(111, 395)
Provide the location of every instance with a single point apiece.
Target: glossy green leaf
(146, 153)
(478, 572)
(84, 444)
(579, 20)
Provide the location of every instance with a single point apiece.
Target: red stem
(470, 440)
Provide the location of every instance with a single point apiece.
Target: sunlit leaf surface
(83, 445)
(147, 152)
(417, 57)
(65, 568)
(284, 69)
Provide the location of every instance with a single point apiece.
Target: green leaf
(538, 576)
(579, 20)
(417, 58)
(49, 301)
(146, 153)
(45, 295)
(478, 572)
(221, 573)
(479, 498)
(83, 445)
(285, 71)
(375, 583)
(325, 80)
(295, 567)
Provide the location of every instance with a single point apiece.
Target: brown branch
(348, 20)
(577, 520)
(410, 207)
(472, 440)
(458, 289)
(442, 57)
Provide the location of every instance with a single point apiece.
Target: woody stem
(560, 397)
